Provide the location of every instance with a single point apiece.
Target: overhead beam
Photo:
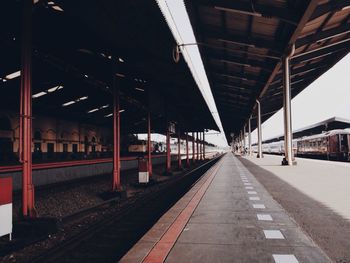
(323, 35)
(233, 88)
(304, 19)
(330, 7)
(266, 66)
(285, 14)
(321, 51)
(242, 77)
(242, 40)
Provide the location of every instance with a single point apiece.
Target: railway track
(110, 238)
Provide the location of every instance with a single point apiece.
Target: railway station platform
(228, 216)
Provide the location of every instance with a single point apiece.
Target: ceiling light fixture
(37, 95)
(74, 101)
(139, 89)
(13, 75)
(120, 75)
(68, 103)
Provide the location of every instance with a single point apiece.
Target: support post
(197, 140)
(179, 161)
(168, 156)
(193, 149)
(260, 154)
(287, 114)
(28, 202)
(244, 142)
(204, 144)
(250, 136)
(149, 146)
(187, 152)
(116, 137)
(200, 146)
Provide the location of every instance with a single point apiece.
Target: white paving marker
(252, 193)
(284, 258)
(259, 206)
(273, 234)
(264, 217)
(254, 198)
(247, 184)
(249, 187)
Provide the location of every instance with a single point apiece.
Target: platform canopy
(80, 46)
(242, 43)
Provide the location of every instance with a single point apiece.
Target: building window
(50, 150)
(65, 147)
(75, 148)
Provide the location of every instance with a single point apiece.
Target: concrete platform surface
(228, 216)
(327, 182)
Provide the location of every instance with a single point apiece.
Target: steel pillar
(197, 140)
(149, 146)
(187, 152)
(179, 161)
(249, 137)
(25, 142)
(116, 137)
(204, 144)
(260, 154)
(287, 114)
(200, 146)
(193, 149)
(244, 142)
(168, 156)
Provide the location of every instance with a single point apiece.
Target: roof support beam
(324, 35)
(235, 75)
(232, 88)
(255, 9)
(322, 51)
(241, 40)
(305, 18)
(330, 7)
(242, 62)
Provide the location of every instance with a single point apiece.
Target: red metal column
(200, 146)
(187, 153)
(179, 161)
(116, 138)
(168, 156)
(193, 149)
(197, 139)
(149, 148)
(204, 144)
(25, 151)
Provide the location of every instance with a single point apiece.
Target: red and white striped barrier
(6, 207)
(143, 171)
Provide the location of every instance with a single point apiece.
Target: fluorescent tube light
(93, 110)
(37, 95)
(68, 103)
(13, 75)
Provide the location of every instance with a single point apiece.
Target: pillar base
(258, 156)
(285, 162)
